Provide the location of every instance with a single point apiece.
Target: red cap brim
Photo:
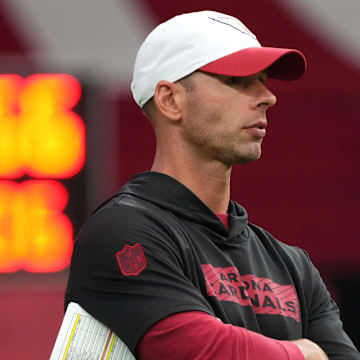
(282, 64)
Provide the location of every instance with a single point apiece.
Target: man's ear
(166, 98)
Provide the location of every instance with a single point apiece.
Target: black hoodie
(156, 249)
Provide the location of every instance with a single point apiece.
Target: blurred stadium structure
(70, 135)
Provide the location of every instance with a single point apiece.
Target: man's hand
(310, 350)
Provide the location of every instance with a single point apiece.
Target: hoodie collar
(169, 194)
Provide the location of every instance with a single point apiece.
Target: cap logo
(234, 23)
(131, 260)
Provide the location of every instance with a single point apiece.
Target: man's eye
(236, 80)
(262, 79)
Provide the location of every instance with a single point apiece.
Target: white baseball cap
(208, 41)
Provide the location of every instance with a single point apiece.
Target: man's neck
(210, 182)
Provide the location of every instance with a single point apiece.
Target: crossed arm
(197, 335)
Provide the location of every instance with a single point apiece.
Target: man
(170, 263)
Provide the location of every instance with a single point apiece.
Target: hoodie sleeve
(126, 272)
(324, 324)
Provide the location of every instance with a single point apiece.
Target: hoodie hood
(171, 195)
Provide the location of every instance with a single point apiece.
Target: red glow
(42, 137)
(39, 134)
(34, 233)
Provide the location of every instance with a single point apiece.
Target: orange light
(10, 165)
(40, 135)
(7, 261)
(34, 233)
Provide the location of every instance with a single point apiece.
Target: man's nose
(266, 97)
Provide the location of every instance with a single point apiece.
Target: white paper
(82, 337)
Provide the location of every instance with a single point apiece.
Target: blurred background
(71, 135)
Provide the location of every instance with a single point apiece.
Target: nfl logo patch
(131, 260)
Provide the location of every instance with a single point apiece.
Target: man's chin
(246, 158)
